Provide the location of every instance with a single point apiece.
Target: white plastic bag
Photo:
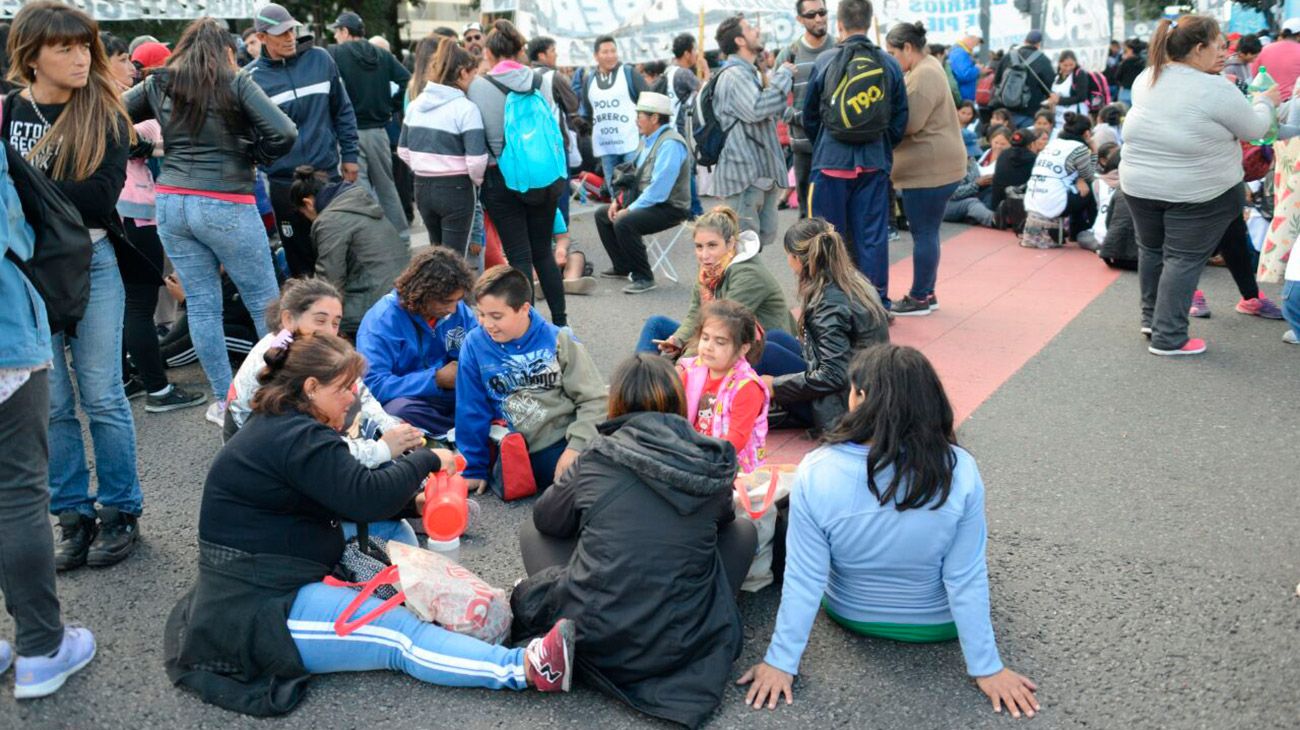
(755, 495)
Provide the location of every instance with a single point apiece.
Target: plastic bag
(754, 497)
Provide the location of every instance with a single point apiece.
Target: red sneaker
(1194, 346)
(550, 658)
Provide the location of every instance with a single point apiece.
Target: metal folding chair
(659, 252)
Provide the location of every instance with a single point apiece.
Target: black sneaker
(76, 532)
(640, 286)
(134, 389)
(174, 399)
(118, 532)
(612, 274)
(909, 307)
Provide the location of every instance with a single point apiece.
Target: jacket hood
(747, 246)
(1110, 178)
(684, 467)
(364, 53)
(436, 95)
(346, 197)
(513, 76)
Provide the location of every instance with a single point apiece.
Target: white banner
(151, 9)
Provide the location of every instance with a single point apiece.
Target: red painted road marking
(999, 305)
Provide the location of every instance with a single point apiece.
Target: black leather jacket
(220, 158)
(834, 329)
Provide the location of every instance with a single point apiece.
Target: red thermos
(446, 504)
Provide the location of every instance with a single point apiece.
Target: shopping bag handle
(344, 624)
(747, 504)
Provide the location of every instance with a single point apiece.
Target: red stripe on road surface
(999, 305)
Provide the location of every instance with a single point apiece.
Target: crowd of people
(271, 181)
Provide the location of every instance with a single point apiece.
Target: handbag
(358, 567)
(769, 485)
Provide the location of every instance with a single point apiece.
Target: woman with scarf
(730, 269)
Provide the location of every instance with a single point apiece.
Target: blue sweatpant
(859, 209)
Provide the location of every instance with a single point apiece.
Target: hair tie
(282, 339)
(760, 335)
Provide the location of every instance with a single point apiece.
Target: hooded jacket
(748, 282)
(491, 101)
(658, 627)
(405, 352)
(357, 249)
(307, 87)
(443, 136)
(369, 74)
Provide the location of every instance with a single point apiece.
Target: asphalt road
(1142, 550)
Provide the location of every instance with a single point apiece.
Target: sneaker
(134, 389)
(582, 286)
(1200, 307)
(1146, 331)
(116, 540)
(6, 656)
(42, 676)
(216, 413)
(174, 399)
(1260, 306)
(1194, 346)
(550, 658)
(76, 532)
(640, 286)
(612, 274)
(1289, 337)
(909, 307)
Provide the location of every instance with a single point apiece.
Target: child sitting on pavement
(519, 369)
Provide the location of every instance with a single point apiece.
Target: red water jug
(446, 504)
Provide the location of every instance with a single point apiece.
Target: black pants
(139, 336)
(446, 206)
(525, 222)
(802, 175)
(622, 239)
(1081, 210)
(1240, 257)
(737, 542)
(295, 232)
(404, 179)
(26, 542)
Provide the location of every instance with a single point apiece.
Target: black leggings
(139, 334)
(737, 542)
(525, 222)
(1240, 257)
(446, 206)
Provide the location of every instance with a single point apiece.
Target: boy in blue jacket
(520, 369)
(412, 338)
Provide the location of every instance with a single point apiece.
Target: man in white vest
(608, 100)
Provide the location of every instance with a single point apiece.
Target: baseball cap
(150, 54)
(471, 26)
(273, 19)
(654, 103)
(1034, 36)
(1291, 26)
(139, 41)
(351, 21)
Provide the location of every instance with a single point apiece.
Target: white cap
(973, 32)
(654, 103)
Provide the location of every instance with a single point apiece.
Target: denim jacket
(24, 327)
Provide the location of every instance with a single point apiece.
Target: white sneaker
(1289, 337)
(217, 413)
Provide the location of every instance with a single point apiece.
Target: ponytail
(291, 361)
(1173, 40)
(448, 61)
(722, 221)
(825, 260)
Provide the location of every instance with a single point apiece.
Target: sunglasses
(474, 37)
(813, 14)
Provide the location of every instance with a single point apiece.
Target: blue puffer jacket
(24, 327)
(307, 87)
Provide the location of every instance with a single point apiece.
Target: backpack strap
(1029, 66)
(500, 86)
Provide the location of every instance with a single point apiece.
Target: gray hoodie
(491, 101)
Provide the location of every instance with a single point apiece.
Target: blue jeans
(782, 355)
(1291, 305)
(859, 210)
(609, 162)
(396, 641)
(201, 235)
(657, 327)
(924, 208)
(386, 530)
(1022, 120)
(97, 363)
(435, 414)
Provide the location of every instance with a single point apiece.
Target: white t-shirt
(1049, 185)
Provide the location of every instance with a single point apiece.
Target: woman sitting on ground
(1015, 166)
(1061, 185)
(897, 507)
(259, 621)
(729, 269)
(357, 249)
(841, 314)
(972, 199)
(305, 307)
(638, 543)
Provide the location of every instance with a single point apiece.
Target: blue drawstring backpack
(534, 156)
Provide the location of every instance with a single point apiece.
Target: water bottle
(446, 507)
(1261, 83)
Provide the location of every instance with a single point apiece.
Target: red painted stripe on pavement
(999, 305)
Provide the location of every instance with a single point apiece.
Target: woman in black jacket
(638, 543)
(841, 314)
(217, 124)
(1071, 88)
(259, 622)
(1015, 166)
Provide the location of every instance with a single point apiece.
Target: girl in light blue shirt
(887, 533)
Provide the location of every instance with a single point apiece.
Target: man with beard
(803, 53)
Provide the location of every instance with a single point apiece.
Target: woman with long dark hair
(1070, 88)
(897, 507)
(217, 125)
(69, 123)
(638, 543)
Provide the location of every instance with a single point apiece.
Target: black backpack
(710, 135)
(855, 104)
(60, 266)
(1015, 91)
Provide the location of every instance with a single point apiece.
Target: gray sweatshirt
(491, 101)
